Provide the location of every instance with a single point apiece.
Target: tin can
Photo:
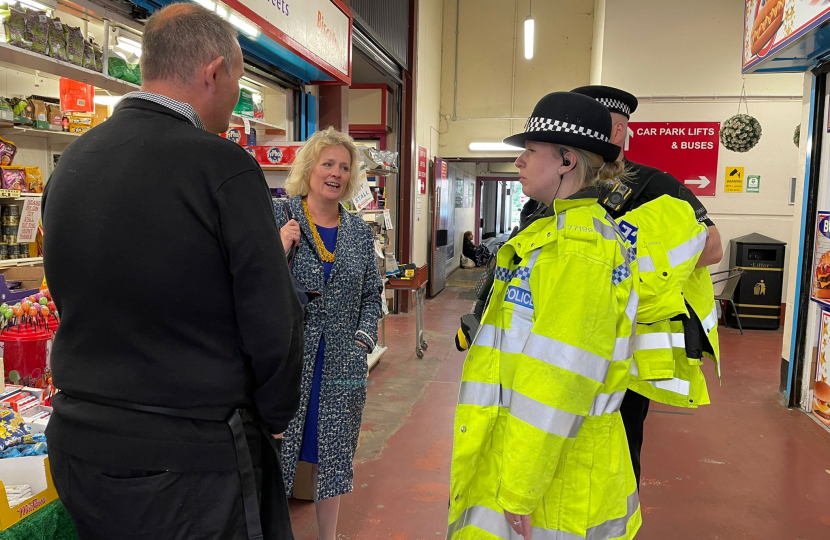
(4, 252)
(9, 240)
(13, 221)
(13, 250)
(23, 251)
(10, 210)
(10, 230)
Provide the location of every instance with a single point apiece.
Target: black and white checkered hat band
(615, 105)
(535, 123)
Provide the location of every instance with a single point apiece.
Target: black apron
(272, 515)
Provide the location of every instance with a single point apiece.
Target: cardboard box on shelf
(33, 471)
(30, 276)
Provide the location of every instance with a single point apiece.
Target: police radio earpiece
(565, 161)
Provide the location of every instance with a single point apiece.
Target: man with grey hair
(180, 348)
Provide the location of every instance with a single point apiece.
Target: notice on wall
(686, 150)
(422, 170)
(29, 220)
(387, 219)
(753, 184)
(734, 180)
(418, 208)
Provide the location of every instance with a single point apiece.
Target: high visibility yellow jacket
(537, 428)
(667, 241)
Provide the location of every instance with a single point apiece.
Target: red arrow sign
(686, 150)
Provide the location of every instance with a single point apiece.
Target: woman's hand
(520, 524)
(290, 235)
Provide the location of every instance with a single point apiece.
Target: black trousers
(634, 410)
(128, 504)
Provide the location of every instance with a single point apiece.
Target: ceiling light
(243, 26)
(249, 88)
(206, 4)
(37, 5)
(493, 147)
(110, 101)
(129, 48)
(529, 31)
(129, 41)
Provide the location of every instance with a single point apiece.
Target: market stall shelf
(19, 59)
(53, 136)
(417, 285)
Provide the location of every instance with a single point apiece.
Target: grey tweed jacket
(349, 309)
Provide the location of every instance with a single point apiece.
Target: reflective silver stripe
(495, 523)
(646, 264)
(551, 351)
(607, 231)
(687, 250)
(606, 403)
(677, 386)
(615, 528)
(481, 394)
(659, 340)
(567, 357)
(622, 349)
(560, 222)
(711, 321)
(632, 305)
(544, 417)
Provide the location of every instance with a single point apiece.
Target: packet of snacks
(34, 180)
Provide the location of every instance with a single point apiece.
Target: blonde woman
(335, 257)
(540, 449)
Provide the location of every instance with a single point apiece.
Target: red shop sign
(422, 170)
(686, 150)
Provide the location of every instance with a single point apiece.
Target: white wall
(428, 103)
(681, 62)
(465, 218)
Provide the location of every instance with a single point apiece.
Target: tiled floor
(743, 468)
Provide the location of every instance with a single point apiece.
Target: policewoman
(539, 446)
(668, 353)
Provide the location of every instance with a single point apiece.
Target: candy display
(36, 311)
(14, 177)
(34, 180)
(13, 430)
(17, 493)
(7, 152)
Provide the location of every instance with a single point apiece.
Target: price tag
(387, 218)
(247, 125)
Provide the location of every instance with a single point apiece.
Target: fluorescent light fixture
(244, 26)
(110, 101)
(124, 40)
(37, 5)
(249, 88)
(222, 11)
(529, 30)
(129, 48)
(206, 4)
(493, 147)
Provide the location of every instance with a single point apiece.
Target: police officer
(644, 184)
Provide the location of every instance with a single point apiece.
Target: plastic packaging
(34, 180)
(15, 26)
(77, 96)
(7, 152)
(37, 30)
(74, 44)
(14, 177)
(57, 40)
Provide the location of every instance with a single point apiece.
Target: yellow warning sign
(734, 180)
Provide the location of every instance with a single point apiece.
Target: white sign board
(29, 220)
(316, 25)
(364, 193)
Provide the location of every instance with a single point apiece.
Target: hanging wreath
(797, 135)
(741, 132)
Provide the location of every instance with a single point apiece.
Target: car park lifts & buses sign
(686, 150)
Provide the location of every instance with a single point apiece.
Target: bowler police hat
(571, 120)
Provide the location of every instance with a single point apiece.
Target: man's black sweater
(164, 259)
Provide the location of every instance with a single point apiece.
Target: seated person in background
(479, 255)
